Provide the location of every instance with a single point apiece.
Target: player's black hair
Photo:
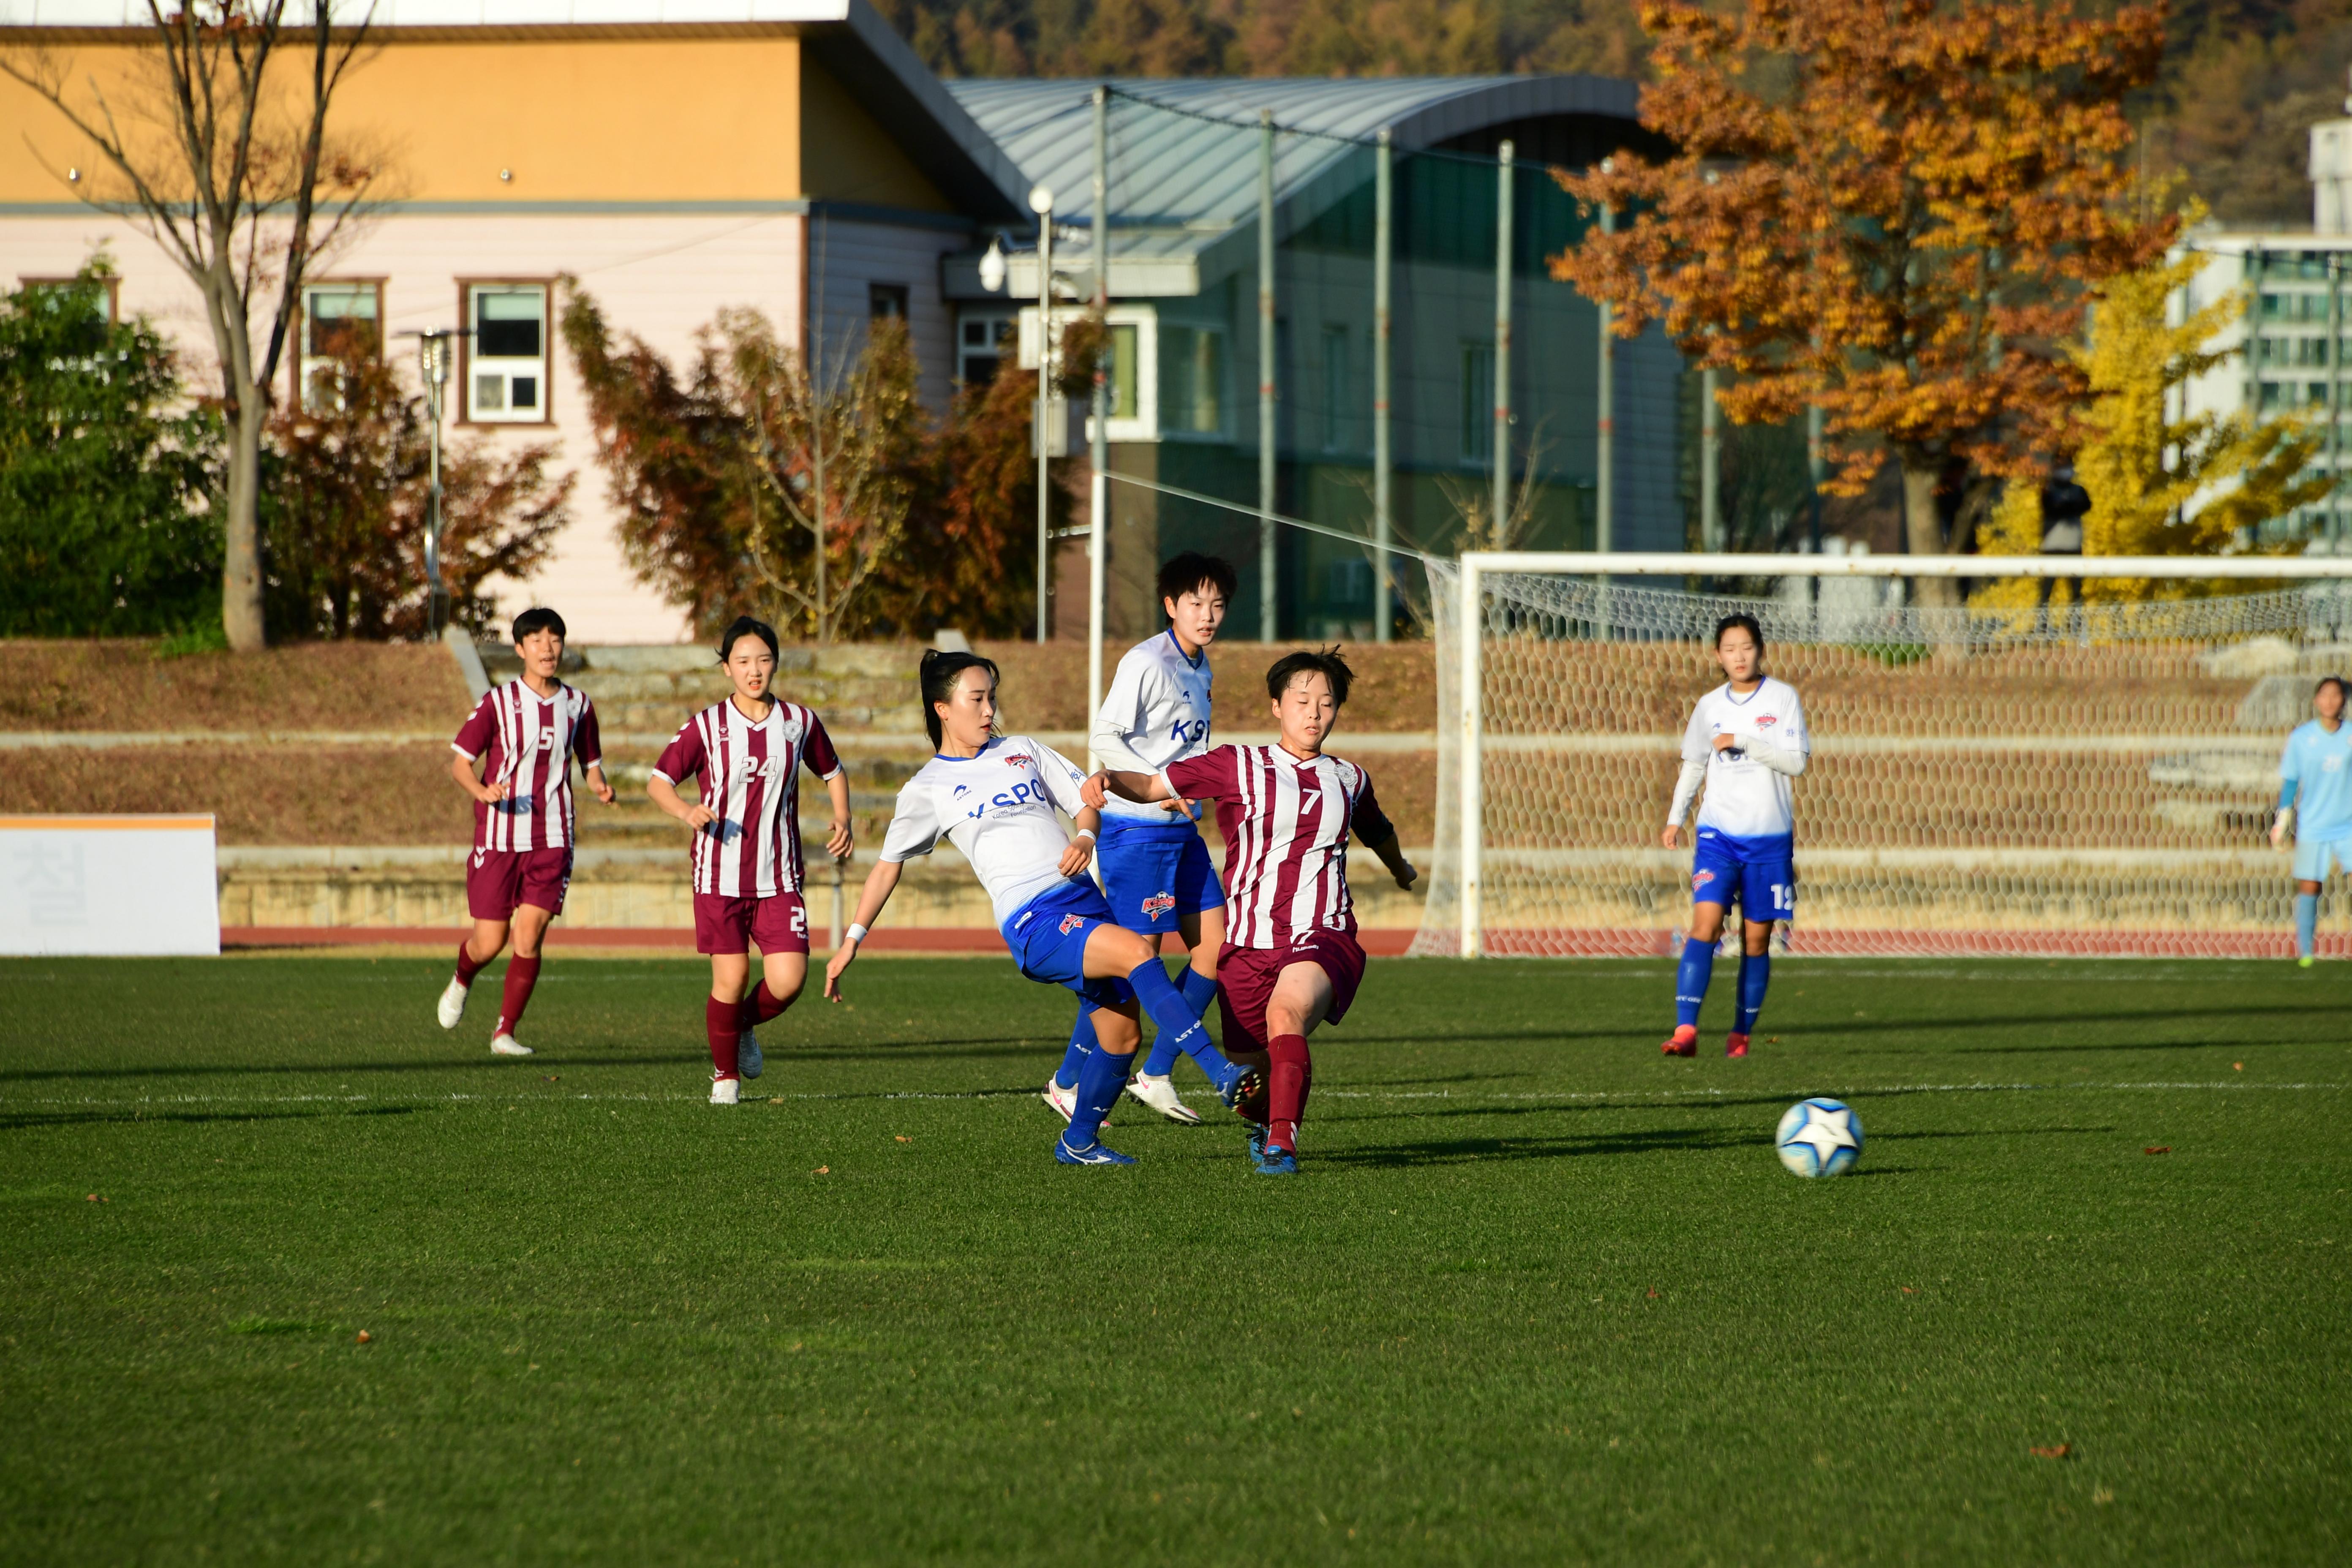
(539, 618)
(1184, 573)
(940, 673)
(744, 627)
(2334, 680)
(1742, 619)
(1328, 663)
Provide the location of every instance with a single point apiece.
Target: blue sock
(1082, 1045)
(1180, 1023)
(1198, 990)
(2307, 924)
(1100, 1083)
(1690, 980)
(1755, 974)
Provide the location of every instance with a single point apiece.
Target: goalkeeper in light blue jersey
(2315, 795)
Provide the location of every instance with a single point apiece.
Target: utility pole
(1501, 455)
(1266, 621)
(1710, 468)
(2334, 393)
(1099, 451)
(1604, 461)
(1041, 201)
(433, 369)
(1383, 458)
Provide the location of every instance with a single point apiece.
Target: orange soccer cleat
(1735, 1044)
(1685, 1042)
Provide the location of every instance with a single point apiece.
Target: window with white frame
(506, 358)
(984, 340)
(341, 322)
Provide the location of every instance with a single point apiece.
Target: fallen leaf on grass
(1905, 1289)
(904, 1139)
(96, 1199)
(1654, 1295)
(550, 1076)
(2237, 1066)
(2060, 1452)
(366, 1338)
(2157, 1149)
(822, 1171)
(1773, 1041)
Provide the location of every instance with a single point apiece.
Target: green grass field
(1539, 1295)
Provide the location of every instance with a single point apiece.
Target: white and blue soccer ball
(1819, 1138)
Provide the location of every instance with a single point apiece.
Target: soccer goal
(2047, 771)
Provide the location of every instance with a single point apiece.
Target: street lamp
(433, 353)
(993, 276)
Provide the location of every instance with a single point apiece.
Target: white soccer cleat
(748, 1059)
(726, 1091)
(453, 1004)
(1064, 1102)
(1160, 1094)
(508, 1045)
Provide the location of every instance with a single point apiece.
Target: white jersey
(1156, 712)
(1745, 799)
(998, 808)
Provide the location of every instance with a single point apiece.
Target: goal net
(2090, 779)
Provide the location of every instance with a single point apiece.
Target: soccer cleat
(1684, 1044)
(1277, 1161)
(453, 1004)
(1256, 1146)
(1247, 1083)
(1094, 1153)
(1160, 1093)
(748, 1059)
(726, 1091)
(1735, 1044)
(1064, 1102)
(508, 1045)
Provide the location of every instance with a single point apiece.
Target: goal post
(2034, 773)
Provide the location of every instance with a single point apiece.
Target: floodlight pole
(1501, 455)
(433, 370)
(1266, 621)
(1042, 201)
(1383, 459)
(1099, 451)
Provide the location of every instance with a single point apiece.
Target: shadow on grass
(1466, 1150)
(34, 1120)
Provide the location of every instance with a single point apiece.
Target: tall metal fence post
(1040, 201)
(1710, 468)
(1098, 451)
(1266, 553)
(1501, 455)
(1383, 458)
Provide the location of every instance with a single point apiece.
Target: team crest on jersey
(1766, 720)
(1700, 879)
(1158, 904)
(1019, 760)
(1071, 921)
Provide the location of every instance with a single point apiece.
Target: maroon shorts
(721, 924)
(1246, 976)
(499, 882)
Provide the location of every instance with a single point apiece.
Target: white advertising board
(117, 885)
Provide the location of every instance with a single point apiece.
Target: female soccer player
(529, 730)
(1745, 740)
(1291, 960)
(2315, 795)
(992, 797)
(1155, 868)
(748, 873)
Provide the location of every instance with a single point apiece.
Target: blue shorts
(2312, 856)
(1048, 939)
(1154, 871)
(1760, 875)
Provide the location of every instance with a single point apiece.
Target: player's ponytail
(938, 681)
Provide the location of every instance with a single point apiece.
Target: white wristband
(855, 932)
(1086, 832)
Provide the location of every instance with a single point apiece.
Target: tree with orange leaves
(1889, 208)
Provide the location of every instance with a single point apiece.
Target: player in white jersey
(749, 751)
(994, 797)
(526, 734)
(1746, 741)
(1155, 868)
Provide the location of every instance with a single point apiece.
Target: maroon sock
(1287, 1084)
(522, 974)
(758, 1007)
(720, 1022)
(466, 967)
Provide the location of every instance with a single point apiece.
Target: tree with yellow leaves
(2160, 485)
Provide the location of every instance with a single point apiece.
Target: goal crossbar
(1474, 566)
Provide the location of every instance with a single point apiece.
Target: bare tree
(225, 163)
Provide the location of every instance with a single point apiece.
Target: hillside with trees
(2243, 79)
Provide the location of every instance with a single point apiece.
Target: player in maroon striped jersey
(525, 734)
(747, 874)
(1291, 960)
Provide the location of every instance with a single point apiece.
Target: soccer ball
(1819, 1138)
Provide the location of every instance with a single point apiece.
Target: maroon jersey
(750, 781)
(1286, 824)
(532, 741)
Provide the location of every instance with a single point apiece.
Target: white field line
(1629, 1096)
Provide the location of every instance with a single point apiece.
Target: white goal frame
(1475, 565)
